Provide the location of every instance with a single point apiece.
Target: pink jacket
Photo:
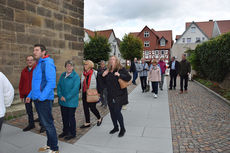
(154, 75)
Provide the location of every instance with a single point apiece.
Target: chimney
(211, 20)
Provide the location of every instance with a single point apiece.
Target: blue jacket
(44, 80)
(69, 88)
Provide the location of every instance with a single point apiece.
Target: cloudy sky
(126, 16)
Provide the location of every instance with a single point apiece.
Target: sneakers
(155, 95)
(44, 149)
(29, 127)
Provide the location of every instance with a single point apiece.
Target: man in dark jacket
(101, 84)
(185, 70)
(133, 68)
(174, 70)
(24, 90)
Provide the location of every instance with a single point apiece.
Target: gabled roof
(224, 26)
(104, 33)
(206, 27)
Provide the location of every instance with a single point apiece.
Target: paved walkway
(147, 123)
(200, 121)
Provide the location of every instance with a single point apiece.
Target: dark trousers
(91, 106)
(45, 115)
(135, 75)
(29, 111)
(1, 122)
(143, 82)
(173, 76)
(68, 120)
(115, 113)
(183, 81)
(104, 95)
(155, 87)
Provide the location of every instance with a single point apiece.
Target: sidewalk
(147, 123)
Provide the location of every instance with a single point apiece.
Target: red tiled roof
(134, 33)
(224, 26)
(206, 27)
(177, 37)
(167, 34)
(104, 33)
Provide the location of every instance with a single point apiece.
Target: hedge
(211, 59)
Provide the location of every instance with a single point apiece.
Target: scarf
(87, 74)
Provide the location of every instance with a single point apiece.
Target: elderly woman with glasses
(68, 94)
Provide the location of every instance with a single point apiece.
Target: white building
(110, 35)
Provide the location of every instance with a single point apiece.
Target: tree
(97, 49)
(131, 47)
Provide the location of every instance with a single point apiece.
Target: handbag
(92, 96)
(124, 84)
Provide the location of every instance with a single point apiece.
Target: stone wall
(58, 24)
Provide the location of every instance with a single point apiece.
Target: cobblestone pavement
(22, 121)
(200, 121)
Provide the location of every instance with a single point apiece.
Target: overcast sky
(124, 16)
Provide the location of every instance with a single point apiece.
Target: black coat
(113, 87)
(177, 66)
(133, 67)
(185, 68)
(101, 83)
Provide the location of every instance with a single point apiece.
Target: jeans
(173, 76)
(29, 111)
(68, 120)
(143, 82)
(115, 113)
(135, 75)
(91, 106)
(161, 83)
(183, 80)
(1, 122)
(103, 96)
(45, 115)
(155, 87)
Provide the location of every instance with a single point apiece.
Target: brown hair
(117, 64)
(154, 61)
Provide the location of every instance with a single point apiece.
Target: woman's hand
(117, 74)
(63, 98)
(105, 72)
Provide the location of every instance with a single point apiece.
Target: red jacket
(25, 82)
(162, 66)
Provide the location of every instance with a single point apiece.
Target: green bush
(211, 59)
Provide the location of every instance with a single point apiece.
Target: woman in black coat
(116, 96)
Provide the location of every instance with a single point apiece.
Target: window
(146, 34)
(197, 39)
(166, 51)
(188, 40)
(203, 38)
(193, 29)
(156, 52)
(146, 54)
(183, 40)
(162, 52)
(162, 42)
(146, 44)
(153, 52)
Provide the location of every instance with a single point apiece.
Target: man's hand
(63, 98)
(28, 100)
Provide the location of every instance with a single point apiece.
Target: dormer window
(146, 34)
(162, 42)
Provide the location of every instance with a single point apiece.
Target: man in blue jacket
(42, 93)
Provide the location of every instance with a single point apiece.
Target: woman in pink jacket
(155, 77)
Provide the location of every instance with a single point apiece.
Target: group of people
(154, 72)
(37, 84)
(149, 72)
